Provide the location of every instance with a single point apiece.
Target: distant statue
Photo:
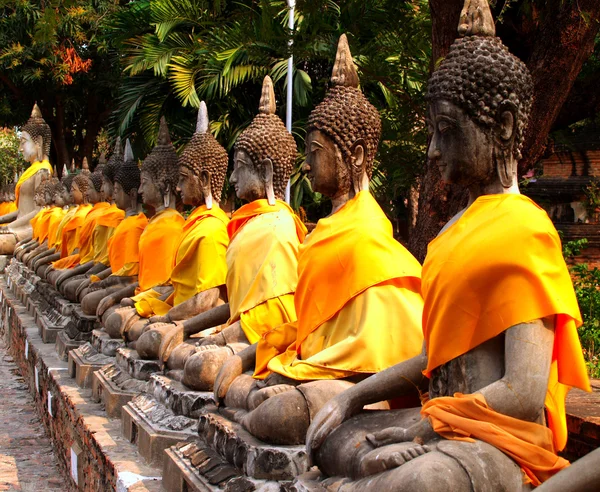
(35, 147)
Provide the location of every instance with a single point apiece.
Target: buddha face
(107, 188)
(28, 147)
(122, 199)
(462, 150)
(246, 179)
(189, 187)
(59, 200)
(77, 194)
(151, 194)
(324, 165)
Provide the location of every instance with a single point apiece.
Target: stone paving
(27, 462)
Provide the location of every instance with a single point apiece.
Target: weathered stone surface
(103, 343)
(178, 398)
(115, 388)
(129, 361)
(84, 361)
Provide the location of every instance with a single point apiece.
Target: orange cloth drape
(70, 236)
(199, 264)
(158, 247)
(43, 224)
(123, 246)
(29, 173)
(464, 417)
(262, 265)
(56, 218)
(498, 265)
(86, 232)
(34, 221)
(350, 271)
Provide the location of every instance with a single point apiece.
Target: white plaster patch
(127, 479)
(50, 403)
(37, 379)
(27, 349)
(74, 466)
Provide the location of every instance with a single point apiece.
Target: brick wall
(560, 164)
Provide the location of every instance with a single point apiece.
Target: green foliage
(10, 160)
(586, 282)
(179, 52)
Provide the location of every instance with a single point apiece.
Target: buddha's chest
(469, 372)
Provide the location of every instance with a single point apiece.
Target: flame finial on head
(476, 19)
(163, 133)
(128, 151)
(85, 166)
(202, 122)
(36, 112)
(267, 99)
(344, 71)
(64, 170)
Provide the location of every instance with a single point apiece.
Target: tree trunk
(60, 143)
(554, 38)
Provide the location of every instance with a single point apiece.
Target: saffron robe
(69, 213)
(94, 244)
(70, 238)
(123, 246)
(157, 248)
(358, 298)
(500, 264)
(29, 173)
(56, 218)
(200, 262)
(262, 275)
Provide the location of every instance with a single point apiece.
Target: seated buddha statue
(108, 170)
(159, 176)
(96, 229)
(198, 274)
(44, 224)
(264, 236)
(7, 197)
(35, 147)
(39, 224)
(82, 191)
(123, 246)
(500, 316)
(63, 198)
(350, 271)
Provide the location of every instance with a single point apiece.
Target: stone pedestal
(153, 427)
(102, 343)
(84, 361)
(64, 345)
(115, 388)
(137, 368)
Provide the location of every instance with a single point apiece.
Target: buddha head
(480, 99)
(202, 165)
(264, 153)
(160, 172)
(127, 181)
(82, 187)
(35, 137)
(342, 134)
(110, 170)
(39, 196)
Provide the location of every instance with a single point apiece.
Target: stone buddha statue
(500, 315)
(85, 196)
(160, 238)
(63, 198)
(344, 330)
(123, 249)
(97, 228)
(200, 269)
(35, 148)
(264, 236)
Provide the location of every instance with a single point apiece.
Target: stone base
(115, 388)
(154, 428)
(192, 466)
(178, 398)
(90, 451)
(83, 362)
(64, 345)
(48, 332)
(4, 259)
(129, 361)
(103, 344)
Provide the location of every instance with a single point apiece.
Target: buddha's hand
(217, 339)
(159, 319)
(231, 369)
(331, 416)
(127, 302)
(420, 433)
(105, 305)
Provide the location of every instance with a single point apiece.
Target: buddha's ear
(505, 132)
(506, 118)
(167, 196)
(358, 166)
(266, 171)
(206, 188)
(39, 141)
